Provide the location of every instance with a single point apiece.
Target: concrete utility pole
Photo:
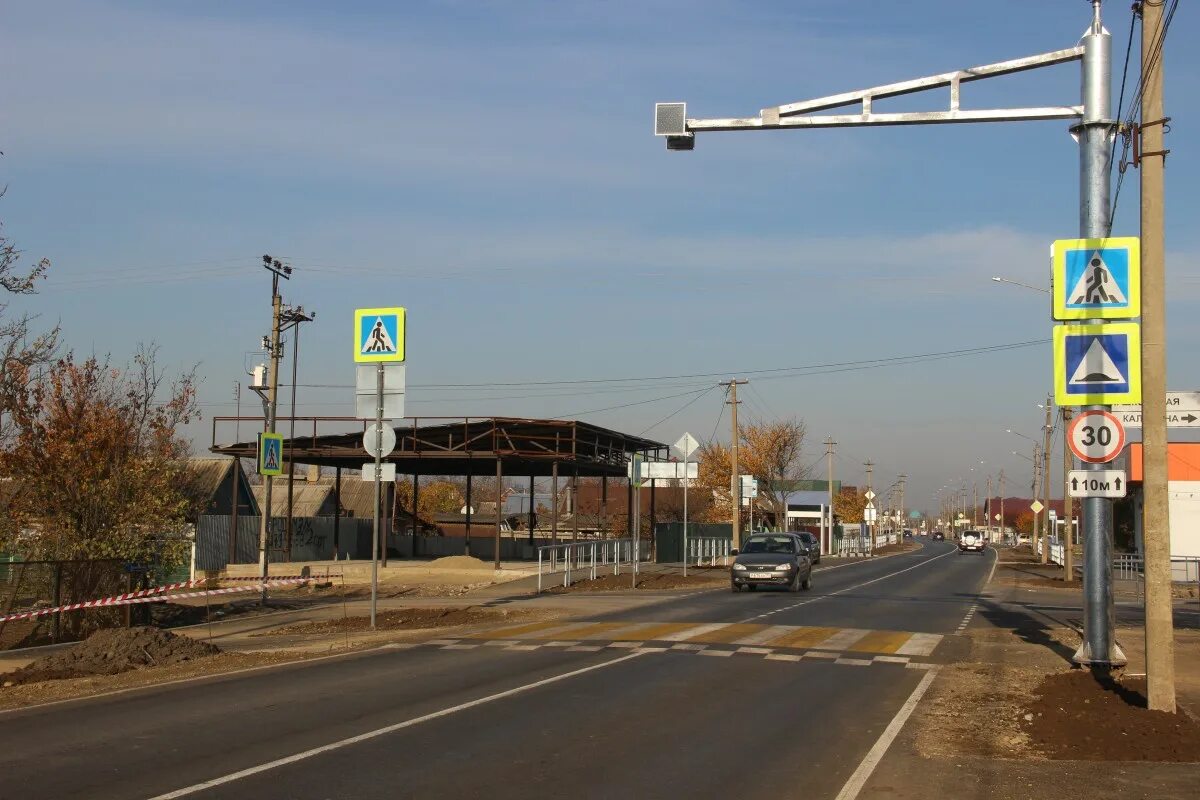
(1003, 529)
(292, 319)
(988, 522)
(735, 482)
(903, 479)
(829, 444)
(277, 270)
(1033, 490)
(975, 505)
(1047, 446)
(1068, 504)
(1156, 522)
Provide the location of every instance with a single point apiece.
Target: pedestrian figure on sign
(1095, 285)
(377, 343)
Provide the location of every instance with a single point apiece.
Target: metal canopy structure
(463, 446)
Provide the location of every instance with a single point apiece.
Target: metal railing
(574, 557)
(711, 548)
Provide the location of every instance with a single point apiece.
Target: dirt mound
(111, 651)
(460, 563)
(409, 618)
(1075, 716)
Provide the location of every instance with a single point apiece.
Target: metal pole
(1068, 505)
(735, 480)
(1156, 523)
(499, 503)
(1046, 448)
(273, 393)
(292, 439)
(378, 489)
(1094, 131)
(532, 510)
(685, 515)
(829, 443)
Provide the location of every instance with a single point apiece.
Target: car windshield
(808, 538)
(769, 544)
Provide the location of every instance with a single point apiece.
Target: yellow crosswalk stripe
(585, 631)
(727, 634)
(654, 631)
(802, 637)
(519, 630)
(881, 642)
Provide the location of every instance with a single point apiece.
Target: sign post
(379, 340)
(686, 446)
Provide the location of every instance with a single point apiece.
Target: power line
(676, 411)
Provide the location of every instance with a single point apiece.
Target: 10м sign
(1101, 483)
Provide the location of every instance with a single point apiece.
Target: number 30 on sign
(1096, 437)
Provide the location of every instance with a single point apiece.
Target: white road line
(849, 588)
(875, 754)
(698, 630)
(765, 635)
(362, 737)
(920, 644)
(842, 639)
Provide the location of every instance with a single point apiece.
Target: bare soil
(646, 580)
(905, 546)
(402, 619)
(113, 651)
(1074, 715)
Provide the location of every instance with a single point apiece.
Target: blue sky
(490, 166)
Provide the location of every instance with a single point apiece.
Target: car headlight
(783, 567)
(739, 567)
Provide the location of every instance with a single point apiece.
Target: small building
(1183, 493)
(210, 485)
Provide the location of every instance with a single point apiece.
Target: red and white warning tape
(155, 595)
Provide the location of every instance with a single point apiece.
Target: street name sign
(1183, 411)
(387, 472)
(379, 335)
(1097, 364)
(1096, 278)
(270, 454)
(1096, 437)
(1100, 483)
(670, 470)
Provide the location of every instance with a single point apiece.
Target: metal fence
(587, 558)
(26, 585)
(709, 548)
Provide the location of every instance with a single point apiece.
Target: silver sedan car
(771, 559)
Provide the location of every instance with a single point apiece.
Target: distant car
(938, 536)
(811, 546)
(771, 559)
(972, 542)
(907, 533)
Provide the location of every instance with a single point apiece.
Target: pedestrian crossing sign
(1097, 364)
(379, 335)
(270, 454)
(1097, 278)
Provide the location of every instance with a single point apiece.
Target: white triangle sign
(1096, 286)
(378, 339)
(1096, 366)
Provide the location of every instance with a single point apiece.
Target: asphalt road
(495, 719)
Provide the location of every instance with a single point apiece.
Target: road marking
(727, 633)
(851, 588)
(765, 635)
(921, 644)
(842, 640)
(694, 631)
(363, 737)
(882, 642)
(875, 754)
(804, 637)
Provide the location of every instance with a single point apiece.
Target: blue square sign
(1097, 364)
(1097, 278)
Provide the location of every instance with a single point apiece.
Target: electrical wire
(720, 414)
(676, 411)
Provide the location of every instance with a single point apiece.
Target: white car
(972, 542)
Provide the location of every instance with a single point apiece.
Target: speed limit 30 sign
(1096, 437)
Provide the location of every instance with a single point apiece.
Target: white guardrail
(708, 548)
(588, 557)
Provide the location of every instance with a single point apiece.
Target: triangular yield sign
(378, 340)
(1097, 366)
(1096, 285)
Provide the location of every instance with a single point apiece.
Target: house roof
(357, 496)
(307, 498)
(205, 475)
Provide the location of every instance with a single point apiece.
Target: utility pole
(291, 318)
(870, 465)
(1047, 429)
(735, 480)
(903, 480)
(278, 270)
(1068, 504)
(987, 505)
(975, 505)
(1033, 490)
(1156, 522)
(829, 444)
(1003, 529)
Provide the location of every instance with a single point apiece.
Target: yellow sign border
(1131, 329)
(1058, 280)
(262, 438)
(401, 323)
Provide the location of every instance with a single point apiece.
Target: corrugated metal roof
(205, 475)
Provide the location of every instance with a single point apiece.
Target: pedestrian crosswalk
(740, 636)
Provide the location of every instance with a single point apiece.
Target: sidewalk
(969, 737)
